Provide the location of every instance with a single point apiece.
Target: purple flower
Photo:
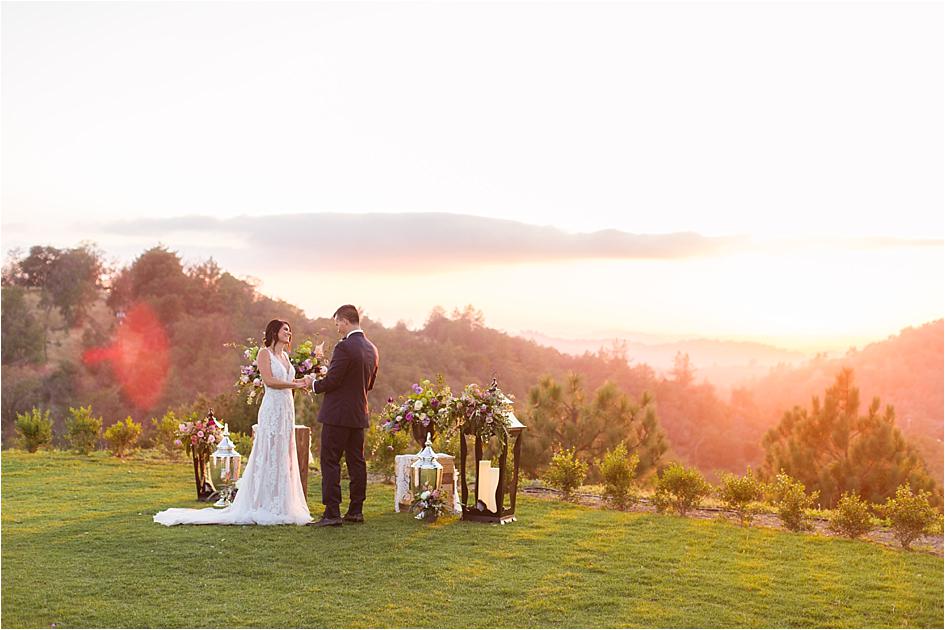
(426, 421)
(390, 399)
(409, 416)
(417, 389)
(435, 403)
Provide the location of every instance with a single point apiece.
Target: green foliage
(833, 449)
(742, 495)
(243, 443)
(618, 470)
(122, 436)
(34, 429)
(566, 472)
(680, 488)
(852, 516)
(565, 414)
(382, 447)
(164, 433)
(910, 514)
(82, 429)
(22, 333)
(792, 502)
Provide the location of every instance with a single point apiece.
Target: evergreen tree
(833, 449)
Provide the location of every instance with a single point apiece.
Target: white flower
(244, 379)
(257, 381)
(443, 411)
(423, 416)
(425, 495)
(417, 406)
(400, 418)
(182, 427)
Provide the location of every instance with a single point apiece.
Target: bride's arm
(264, 362)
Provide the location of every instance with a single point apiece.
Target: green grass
(80, 549)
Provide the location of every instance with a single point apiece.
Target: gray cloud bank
(439, 241)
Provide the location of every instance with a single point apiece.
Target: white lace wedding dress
(270, 490)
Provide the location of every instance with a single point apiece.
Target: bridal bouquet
(424, 410)
(306, 357)
(483, 412)
(199, 438)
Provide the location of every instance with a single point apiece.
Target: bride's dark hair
(272, 331)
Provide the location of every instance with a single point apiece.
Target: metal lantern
(225, 468)
(426, 473)
(490, 484)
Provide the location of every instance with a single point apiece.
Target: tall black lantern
(489, 508)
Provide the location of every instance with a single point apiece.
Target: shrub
(82, 429)
(618, 470)
(565, 472)
(792, 502)
(122, 436)
(243, 443)
(852, 516)
(910, 514)
(34, 429)
(680, 488)
(742, 495)
(382, 447)
(165, 433)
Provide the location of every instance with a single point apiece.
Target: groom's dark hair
(349, 313)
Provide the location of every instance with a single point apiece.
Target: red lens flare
(138, 356)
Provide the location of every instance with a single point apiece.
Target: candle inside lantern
(488, 482)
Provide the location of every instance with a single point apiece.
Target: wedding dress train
(270, 490)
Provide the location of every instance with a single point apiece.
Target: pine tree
(833, 449)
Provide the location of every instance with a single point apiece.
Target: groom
(344, 417)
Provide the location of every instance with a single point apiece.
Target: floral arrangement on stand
(429, 506)
(199, 439)
(483, 412)
(306, 357)
(426, 409)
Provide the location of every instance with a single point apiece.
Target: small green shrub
(618, 470)
(165, 434)
(382, 447)
(565, 472)
(82, 429)
(122, 436)
(34, 429)
(680, 488)
(743, 495)
(910, 514)
(851, 517)
(243, 443)
(792, 502)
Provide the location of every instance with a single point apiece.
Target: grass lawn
(80, 549)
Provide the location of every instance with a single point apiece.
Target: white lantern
(225, 468)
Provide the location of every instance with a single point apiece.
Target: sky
(764, 171)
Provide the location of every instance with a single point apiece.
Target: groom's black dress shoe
(327, 521)
(354, 518)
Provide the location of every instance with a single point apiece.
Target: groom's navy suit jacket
(350, 377)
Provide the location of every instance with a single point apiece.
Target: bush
(742, 495)
(565, 472)
(165, 433)
(852, 516)
(680, 488)
(82, 429)
(122, 436)
(618, 470)
(34, 429)
(792, 502)
(382, 447)
(910, 514)
(243, 443)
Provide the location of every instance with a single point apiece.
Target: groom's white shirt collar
(354, 331)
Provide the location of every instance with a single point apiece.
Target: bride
(270, 491)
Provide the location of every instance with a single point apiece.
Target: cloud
(418, 241)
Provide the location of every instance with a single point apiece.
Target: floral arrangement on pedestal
(307, 358)
(483, 412)
(429, 506)
(426, 409)
(199, 439)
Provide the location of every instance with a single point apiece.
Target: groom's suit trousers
(337, 441)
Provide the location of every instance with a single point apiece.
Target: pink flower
(211, 439)
(177, 442)
(199, 433)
